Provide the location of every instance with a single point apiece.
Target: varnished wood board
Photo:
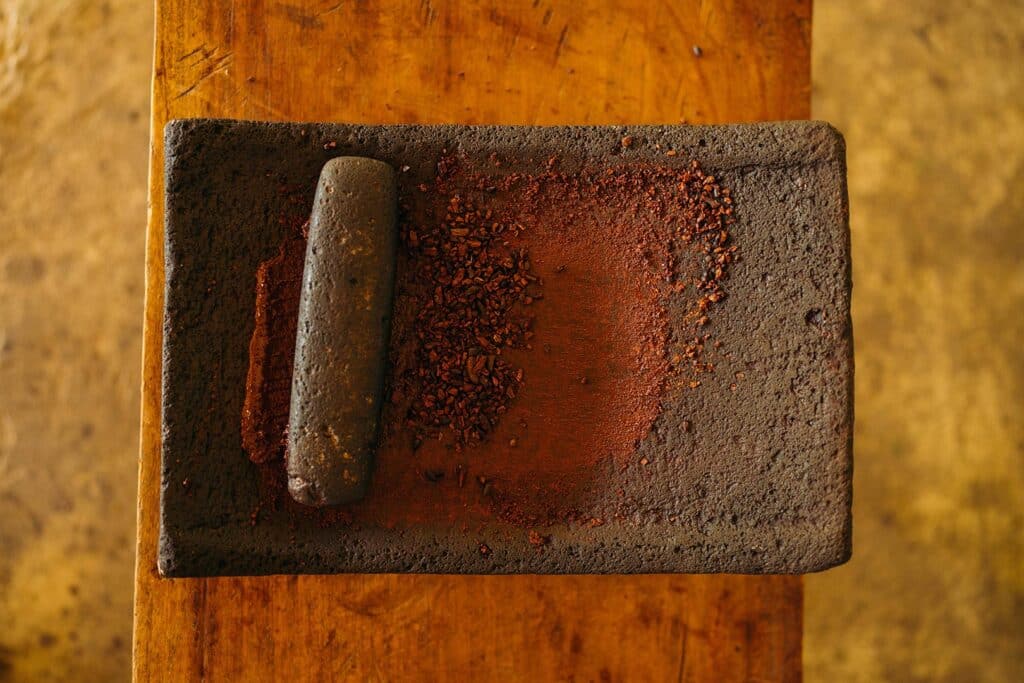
(482, 63)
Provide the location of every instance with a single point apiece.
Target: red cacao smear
(268, 384)
(574, 271)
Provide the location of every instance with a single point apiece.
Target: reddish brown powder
(272, 349)
(608, 249)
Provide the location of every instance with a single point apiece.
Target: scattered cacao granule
(683, 212)
(537, 539)
(468, 274)
(254, 514)
(471, 286)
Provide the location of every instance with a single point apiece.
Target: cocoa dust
(532, 343)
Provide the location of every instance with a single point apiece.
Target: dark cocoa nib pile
(469, 274)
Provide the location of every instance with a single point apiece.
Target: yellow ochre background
(929, 95)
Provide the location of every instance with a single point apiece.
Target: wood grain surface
(538, 62)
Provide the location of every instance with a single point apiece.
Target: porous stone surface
(749, 474)
(344, 321)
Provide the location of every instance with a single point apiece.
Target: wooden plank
(486, 62)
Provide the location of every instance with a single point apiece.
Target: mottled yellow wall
(74, 132)
(929, 96)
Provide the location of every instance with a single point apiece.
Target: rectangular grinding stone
(749, 474)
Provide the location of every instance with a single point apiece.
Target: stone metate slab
(641, 439)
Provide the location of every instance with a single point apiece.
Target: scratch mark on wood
(427, 12)
(217, 66)
(192, 52)
(561, 41)
(547, 16)
(331, 10)
(682, 655)
(515, 39)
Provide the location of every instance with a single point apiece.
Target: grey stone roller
(343, 330)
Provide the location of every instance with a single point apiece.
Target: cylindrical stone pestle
(343, 330)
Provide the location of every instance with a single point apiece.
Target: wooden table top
(516, 62)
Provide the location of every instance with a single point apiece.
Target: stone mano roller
(342, 339)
